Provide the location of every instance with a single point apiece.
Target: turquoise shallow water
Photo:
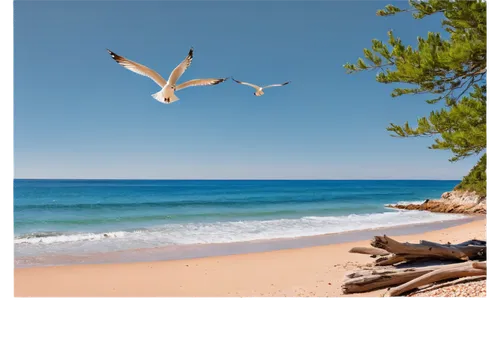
(107, 215)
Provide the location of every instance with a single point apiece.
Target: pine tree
(450, 69)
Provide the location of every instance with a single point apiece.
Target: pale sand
(313, 271)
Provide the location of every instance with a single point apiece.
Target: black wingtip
(235, 80)
(113, 55)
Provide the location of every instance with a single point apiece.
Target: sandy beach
(303, 272)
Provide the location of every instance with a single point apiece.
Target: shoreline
(192, 251)
(306, 271)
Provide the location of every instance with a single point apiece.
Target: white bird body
(259, 91)
(166, 95)
(168, 88)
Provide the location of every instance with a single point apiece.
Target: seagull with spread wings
(259, 90)
(168, 88)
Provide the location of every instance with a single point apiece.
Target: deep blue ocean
(120, 214)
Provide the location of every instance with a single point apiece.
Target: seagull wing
(138, 68)
(278, 85)
(202, 82)
(247, 84)
(179, 70)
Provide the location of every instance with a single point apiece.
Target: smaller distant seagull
(259, 90)
(168, 88)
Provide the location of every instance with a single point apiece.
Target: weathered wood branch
(368, 251)
(444, 273)
(369, 280)
(479, 265)
(389, 260)
(395, 259)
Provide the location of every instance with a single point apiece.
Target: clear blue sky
(78, 114)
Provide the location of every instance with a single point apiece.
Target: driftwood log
(444, 273)
(370, 280)
(427, 250)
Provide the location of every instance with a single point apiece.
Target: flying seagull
(168, 88)
(260, 90)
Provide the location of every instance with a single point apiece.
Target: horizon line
(234, 179)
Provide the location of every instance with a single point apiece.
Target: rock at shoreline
(459, 202)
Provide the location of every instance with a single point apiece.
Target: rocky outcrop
(460, 202)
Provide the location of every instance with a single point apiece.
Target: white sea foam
(236, 231)
(417, 202)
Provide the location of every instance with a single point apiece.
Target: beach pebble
(466, 289)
